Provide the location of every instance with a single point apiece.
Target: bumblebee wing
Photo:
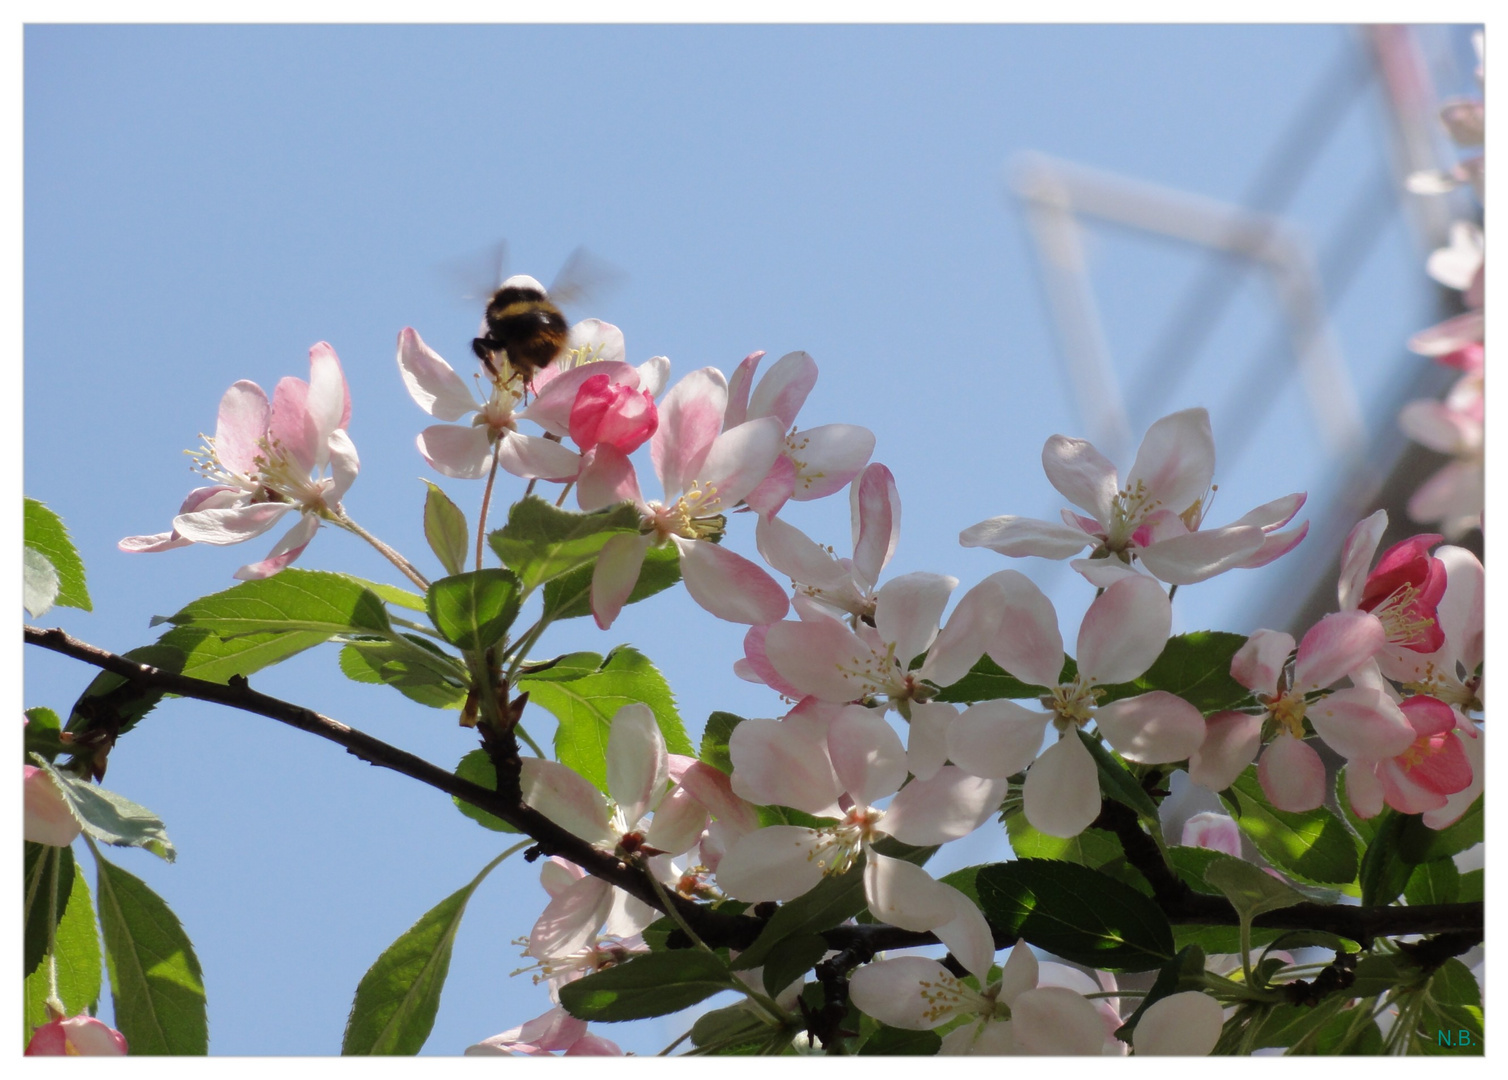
(583, 277)
(474, 276)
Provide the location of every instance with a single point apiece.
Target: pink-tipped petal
(616, 574)
(778, 764)
(1230, 744)
(771, 494)
(1021, 537)
(241, 426)
(292, 426)
(1082, 475)
(1152, 729)
(970, 631)
(1292, 775)
(784, 388)
(729, 585)
(1363, 789)
(875, 509)
(47, 819)
(1028, 644)
(571, 919)
(1176, 460)
(827, 458)
(1335, 646)
(431, 382)
(740, 383)
(289, 548)
(677, 824)
(946, 806)
(1124, 631)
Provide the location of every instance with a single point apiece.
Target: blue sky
(202, 204)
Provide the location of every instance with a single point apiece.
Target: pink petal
(1460, 802)
(636, 762)
(1275, 514)
(1275, 545)
(824, 658)
(739, 459)
(571, 919)
(1455, 492)
(1082, 475)
(328, 403)
(1363, 789)
(1356, 558)
(908, 609)
(827, 458)
(729, 585)
(1198, 556)
(1335, 646)
(776, 763)
(462, 452)
(1361, 722)
(1292, 775)
(1153, 728)
(291, 425)
(566, 799)
(1230, 744)
(1028, 645)
(793, 553)
(553, 405)
(1061, 796)
(216, 497)
(677, 824)
(771, 494)
(1449, 336)
(1020, 537)
(344, 464)
(690, 418)
(230, 525)
(1439, 427)
(971, 629)
(616, 574)
(1104, 571)
(996, 739)
(784, 388)
(755, 666)
(431, 382)
(946, 806)
(47, 819)
(739, 385)
(607, 477)
(1176, 461)
(1124, 631)
(1214, 832)
(1258, 665)
(242, 424)
(875, 507)
(866, 753)
(714, 790)
(289, 548)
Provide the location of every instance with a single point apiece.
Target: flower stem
(481, 525)
(404, 566)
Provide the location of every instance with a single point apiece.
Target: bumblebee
(523, 323)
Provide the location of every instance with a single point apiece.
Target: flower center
(1406, 621)
(839, 845)
(1131, 507)
(1072, 703)
(694, 516)
(945, 996)
(1288, 710)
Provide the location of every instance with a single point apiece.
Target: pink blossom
(705, 472)
(556, 1032)
(1401, 592)
(1450, 673)
(615, 414)
(76, 1036)
(1156, 518)
(813, 463)
(1421, 778)
(1216, 832)
(268, 461)
(48, 820)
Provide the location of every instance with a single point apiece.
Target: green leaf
(307, 601)
(478, 768)
(987, 681)
(1191, 863)
(1116, 782)
(652, 984)
(570, 595)
(111, 818)
(445, 529)
(1251, 890)
(155, 981)
(1196, 667)
(79, 966)
(1080, 914)
(42, 730)
(790, 959)
(1470, 889)
(1349, 1031)
(715, 738)
(1092, 847)
(1418, 843)
(1384, 871)
(1313, 846)
(898, 1042)
(397, 999)
(473, 611)
(1184, 972)
(421, 673)
(391, 594)
(112, 703)
(1435, 882)
(831, 901)
(585, 707)
(733, 1029)
(541, 542)
(39, 583)
(48, 882)
(45, 534)
(562, 668)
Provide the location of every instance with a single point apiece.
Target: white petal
(996, 739)
(616, 574)
(1230, 744)
(571, 919)
(461, 452)
(1029, 644)
(690, 418)
(1362, 722)
(827, 457)
(229, 525)
(566, 799)
(344, 464)
(903, 894)
(530, 456)
(1356, 558)
(927, 745)
(1153, 728)
(636, 762)
(678, 822)
(1176, 460)
(866, 754)
(289, 548)
(908, 609)
(1198, 556)
(739, 459)
(971, 629)
(1083, 475)
(1124, 631)
(431, 382)
(1020, 537)
(784, 388)
(967, 935)
(777, 763)
(729, 585)
(1054, 1021)
(822, 657)
(1187, 1023)
(900, 991)
(1258, 664)
(1061, 796)
(776, 863)
(875, 509)
(948, 805)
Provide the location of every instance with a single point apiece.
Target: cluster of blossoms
(1453, 496)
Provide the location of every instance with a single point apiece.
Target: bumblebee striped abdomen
(522, 322)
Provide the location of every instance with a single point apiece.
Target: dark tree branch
(1460, 925)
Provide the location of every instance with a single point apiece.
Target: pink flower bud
(77, 1035)
(608, 412)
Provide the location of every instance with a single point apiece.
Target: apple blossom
(1450, 674)
(1216, 832)
(587, 926)
(1433, 767)
(1401, 592)
(1186, 1023)
(557, 1031)
(813, 463)
(1155, 518)
(705, 472)
(1015, 1015)
(72, 1036)
(839, 762)
(268, 461)
(1123, 632)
